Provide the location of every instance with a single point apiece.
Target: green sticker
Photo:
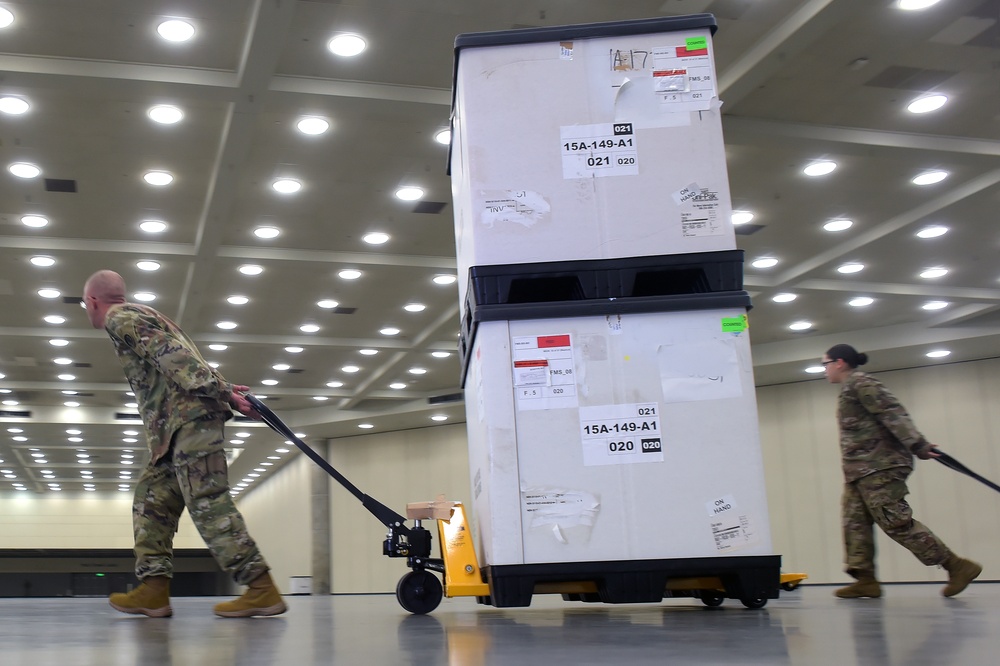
(696, 43)
(734, 324)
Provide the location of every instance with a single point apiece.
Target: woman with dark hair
(877, 442)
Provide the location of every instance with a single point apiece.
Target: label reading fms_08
(621, 434)
(595, 151)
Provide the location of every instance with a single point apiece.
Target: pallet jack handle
(952, 463)
(385, 515)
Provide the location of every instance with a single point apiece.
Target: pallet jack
(419, 591)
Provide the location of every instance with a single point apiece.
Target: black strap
(952, 463)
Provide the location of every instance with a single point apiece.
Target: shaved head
(106, 286)
(102, 290)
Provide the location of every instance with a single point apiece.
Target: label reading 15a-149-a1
(595, 151)
(621, 434)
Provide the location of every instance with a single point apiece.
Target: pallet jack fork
(419, 591)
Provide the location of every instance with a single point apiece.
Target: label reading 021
(592, 151)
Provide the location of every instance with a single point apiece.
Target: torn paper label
(560, 507)
(522, 207)
(699, 370)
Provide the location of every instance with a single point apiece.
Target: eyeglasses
(826, 363)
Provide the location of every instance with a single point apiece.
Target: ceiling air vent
(82, 365)
(441, 399)
(14, 414)
(909, 78)
(127, 416)
(430, 207)
(343, 310)
(72, 300)
(59, 185)
(294, 371)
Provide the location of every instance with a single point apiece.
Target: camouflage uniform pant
(192, 474)
(879, 499)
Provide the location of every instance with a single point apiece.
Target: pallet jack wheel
(419, 592)
(788, 587)
(757, 602)
(712, 599)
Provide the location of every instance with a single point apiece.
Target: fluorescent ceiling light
(24, 170)
(158, 178)
(165, 114)
(42, 261)
(312, 125)
(375, 238)
(741, 217)
(286, 186)
(860, 301)
(14, 106)
(347, 45)
(445, 279)
(34, 221)
(153, 226)
(932, 232)
(409, 193)
(349, 274)
(850, 268)
(238, 300)
(175, 30)
(838, 225)
(765, 262)
(148, 265)
(819, 168)
(930, 177)
(931, 273)
(443, 137)
(927, 104)
(251, 269)
(267, 232)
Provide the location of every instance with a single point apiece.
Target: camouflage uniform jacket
(876, 432)
(173, 384)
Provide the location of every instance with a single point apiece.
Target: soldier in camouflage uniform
(184, 404)
(878, 441)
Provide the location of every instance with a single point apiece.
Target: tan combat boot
(261, 598)
(151, 598)
(865, 586)
(961, 572)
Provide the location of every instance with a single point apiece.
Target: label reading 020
(595, 151)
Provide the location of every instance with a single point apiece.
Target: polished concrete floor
(912, 624)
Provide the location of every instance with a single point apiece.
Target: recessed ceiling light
(49, 293)
(267, 232)
(226, 325)
(14, 106)
(58, 342)
(784, 298)
(350, 369)
(218, 347)
(741, 217)
(819, 168)
(397, 385)
(850, 268)
(938, 353)
(409, 193)
(334, 384)
(838, 225)
(251, 269)
(148, 265)
(349, 274)
(414, 307)
(932, 232)
(347, 45)
(930, 177)
(365, 426)
(445, 279)
(294, 350)
(269, 382)
(860, 301)
(917, 4)
(935, 305)
(34, 221)
(286, 186)
(175, 30)
(238, 300)
(815, 369)
(439, 417)
(280, 367)
(765, 262)
(144, 296)
(62, 361)
(367, 352)
(6, 17)
(67, 377)
(165, 114)
(153, 226)
(312, 125)
(417, 371)
(440, 354)
(327, 304)
(42, 261)
(158, 178)
(800, 325)
(927, 104)
(309, 328)
(320, 398)
(936, 272)
(375, 238)
(24, 170)
(389, 330)
(443, 137)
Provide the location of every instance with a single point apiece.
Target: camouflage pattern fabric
(192, 474)
(879, 499)
(173, 384)
(876, 433)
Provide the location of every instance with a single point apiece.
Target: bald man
(184, 404)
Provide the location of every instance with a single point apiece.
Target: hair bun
(862, 358)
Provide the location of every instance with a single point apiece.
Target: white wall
(278, 518)
(73, 520)
(953, 405)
